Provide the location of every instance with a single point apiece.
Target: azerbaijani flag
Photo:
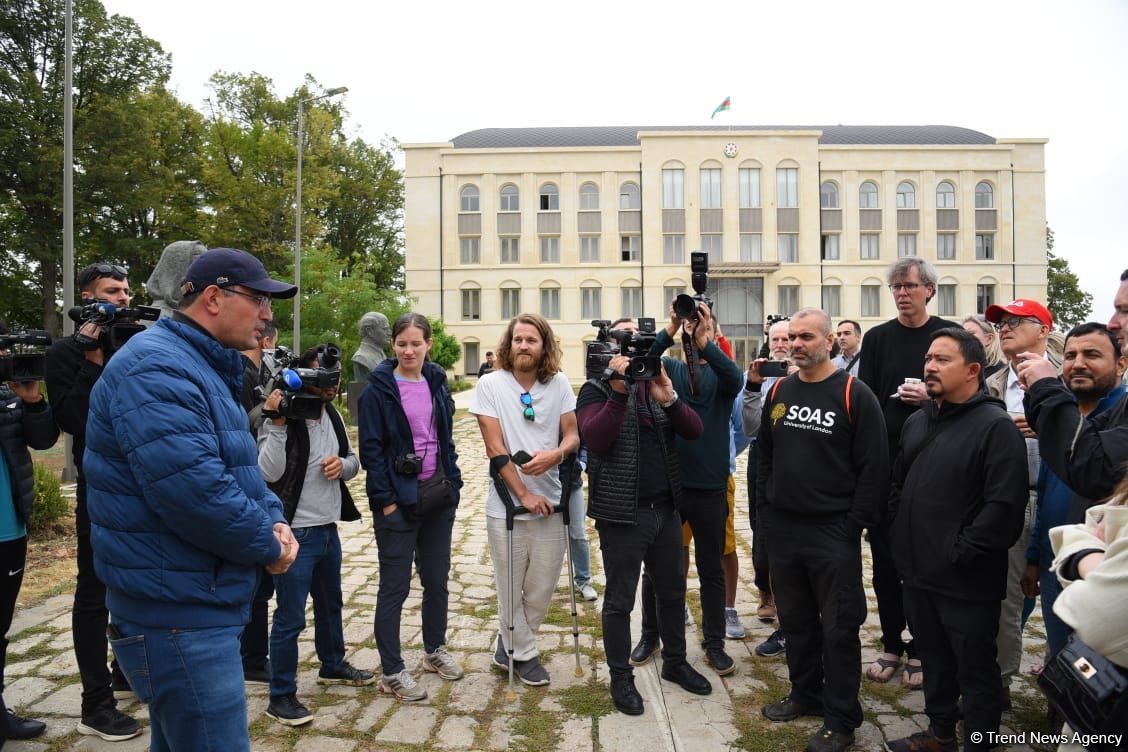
(722, 107)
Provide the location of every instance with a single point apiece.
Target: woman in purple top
(405, 417)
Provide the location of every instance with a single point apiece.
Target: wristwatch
(667, 405)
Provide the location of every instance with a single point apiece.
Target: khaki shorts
(730, 521)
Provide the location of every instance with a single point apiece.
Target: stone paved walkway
(573, 713)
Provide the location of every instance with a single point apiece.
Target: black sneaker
(257, 675)
(788, 710)
(775, 645)
(288, 711)
(829, 740)
(23, 728)
(500, 657)
(109, 723)
(120, 685)
(644, 651)
(346, 674)
(720, 661)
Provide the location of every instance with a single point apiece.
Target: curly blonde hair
(550, 358)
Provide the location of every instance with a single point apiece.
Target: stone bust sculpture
(164, 283)
(374, 337)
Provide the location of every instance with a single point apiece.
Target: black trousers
(13, 556)
(655, 540)
(254, 643)
(89, 617)
(760, 565)
(955, 640)
(887, 589)
(817, 581)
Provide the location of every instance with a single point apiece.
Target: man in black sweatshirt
(823, 475)
(957, 501)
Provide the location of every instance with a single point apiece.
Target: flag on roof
(722, 107)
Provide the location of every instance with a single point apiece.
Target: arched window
(868, 195)
(945, 195)
(828, 195)
(589, 197)
(469, 199)
(549, 197)
(906, 196)
(510, 198)
(984, 196)
(628, 197)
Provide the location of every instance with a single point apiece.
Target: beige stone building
(597, 223)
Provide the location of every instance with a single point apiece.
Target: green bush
(50, 505)
(459, 385)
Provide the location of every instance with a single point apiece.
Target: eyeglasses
(527, 401)
(263, 301)
(906, 286)
(1013, 322)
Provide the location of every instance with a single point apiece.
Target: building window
(589, 197)
(549, 197)
(673, 249)
(946, 300)
(871, 300)
(510, 198)
(550, 302)
(589, 248)
(510, 302)
(671, 292)
(591, 303)
(906, 244)
(673, 189)
(906, 196)
(628, 197)
(788, 247)
(788, 299)
(471, 361)
(832, 300)
(750, 247)
(830, 251)
(632, 302)
(984, 196)
(984, 247)
(787, 188)
(749, 187)
(984, 297)
(828, 195)
(946, 246)
(550, 249)
(471, 305)
(867, 195)
(945, 195)
(630, 247)
(711, 188)
(871, 246)
(711, 244)
(468, 202)
(511, 250)
(468, 250)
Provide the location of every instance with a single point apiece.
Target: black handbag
(435, 495)
(1089, 690)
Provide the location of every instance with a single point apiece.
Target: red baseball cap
(1020, 307)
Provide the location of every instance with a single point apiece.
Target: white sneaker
(587, 592)
(734, 628)
(403, 686)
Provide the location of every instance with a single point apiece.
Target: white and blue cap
(226, 267)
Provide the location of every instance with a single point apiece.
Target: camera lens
(685, 307)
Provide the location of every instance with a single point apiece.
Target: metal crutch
(567, 469)
(496, 464)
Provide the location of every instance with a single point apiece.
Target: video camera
(635, 345)
(685, 306)
(292, 379)
(120, 322)
(29, 361)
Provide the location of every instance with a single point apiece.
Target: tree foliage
(445, 349)
(1069, 304)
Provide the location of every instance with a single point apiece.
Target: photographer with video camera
(305, 458)
(74, 365)
(629, 423)
(25, 421)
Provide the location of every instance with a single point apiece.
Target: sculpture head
(164, 282)
(374, 329)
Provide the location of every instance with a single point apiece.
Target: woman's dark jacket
(22, 426)
(385, 435)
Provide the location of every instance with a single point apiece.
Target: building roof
(624, 135)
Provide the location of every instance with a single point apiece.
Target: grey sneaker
(442, 663)
(734, 628)
(531, 672)
(500, 657)
(587, 592)
(403, 686)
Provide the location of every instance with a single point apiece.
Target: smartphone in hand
(773, 368)
(520, 457)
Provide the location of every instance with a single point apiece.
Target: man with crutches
(526, 412)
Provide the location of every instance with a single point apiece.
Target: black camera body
(408, 464)
(635, 345)
(28, 361)
(685, 306)
(297, 403)
(121, 323)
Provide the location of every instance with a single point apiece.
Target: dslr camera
(28, 360)
(685, 306)
(408, 464)
(120, 322)
(635, 345)
(292, 379)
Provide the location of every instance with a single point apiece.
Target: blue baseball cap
(226, 267)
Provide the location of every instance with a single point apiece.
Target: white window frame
(629, 198)
(673, 248)
(749, 178)
(831, 247)
(549, 198)
(984, 195)
(871, 300)
(591, 303)
(673, 188)
(945, 246)
(630, 246)
(471, 304)
(788, 298)
(751, 247)
(828, 199)
(550, 302)
(469, 199)
(631, 299)
(509, 249)
(589, 249)
(946, 300)
(984, 246)
(832, 300)
(550, 249)
(869, 196)
(470, 250)
(787, 187)
(713, 244)
(787, 248)
(589, 197)
(906, 244)
(869, 246)
(945, 199)
(510, 302)
(710, 187)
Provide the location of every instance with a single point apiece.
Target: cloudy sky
(428, 71)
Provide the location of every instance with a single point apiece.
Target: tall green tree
(1069, 304)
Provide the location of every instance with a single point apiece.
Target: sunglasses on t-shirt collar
(527, 406)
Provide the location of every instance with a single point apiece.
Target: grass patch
(487, 610)
(590, 700)
(890, 693)
(758, 734)
(534, 730)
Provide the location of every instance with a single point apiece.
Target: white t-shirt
(498, 395)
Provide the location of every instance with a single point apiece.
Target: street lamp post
(298, 217)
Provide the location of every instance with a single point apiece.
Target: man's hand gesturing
(289, 545)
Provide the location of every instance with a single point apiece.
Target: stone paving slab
(573, 714)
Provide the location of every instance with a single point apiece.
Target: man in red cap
(1024, 326)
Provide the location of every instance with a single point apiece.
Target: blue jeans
(1057, 631)
(578, 540)
(192, 681)
(316, 572)
(401, 542)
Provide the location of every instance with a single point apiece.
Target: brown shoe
(766, 611)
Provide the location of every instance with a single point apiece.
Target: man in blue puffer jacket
(181, 517)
